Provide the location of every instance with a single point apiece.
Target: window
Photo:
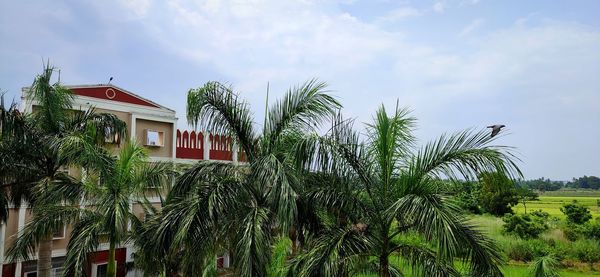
(99, 270)
(60, 233)
(55, 272)
(63, 169)
(155, 138)
(109, 137)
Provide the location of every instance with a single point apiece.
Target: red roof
(112, 93)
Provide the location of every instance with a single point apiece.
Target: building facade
(151, 125)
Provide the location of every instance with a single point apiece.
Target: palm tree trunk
(293, 235)
(44, 262)
(384, 266)
(111, 268)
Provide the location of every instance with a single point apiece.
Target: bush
(498, 193)
(527, 250)
(526, 225)
(466, 195)
(571, 231)
(587, 251)
(520, 250)
(591, 230)
(576, 213)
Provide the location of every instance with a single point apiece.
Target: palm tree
(544, 266)
(218, 206)
(106, 214)
(15, 154)
(34, 147)
(383, 198)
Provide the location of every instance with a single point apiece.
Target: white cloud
(139, 7)
(398, 15)
(439, 7)
(474, 25)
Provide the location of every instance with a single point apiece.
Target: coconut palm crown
(384, 199)
(31, 143)
(104, 215)
(216, 206)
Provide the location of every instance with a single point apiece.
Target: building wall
(167, 128)
(11, 228)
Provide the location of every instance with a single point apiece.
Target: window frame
(160, 138)
(64, 233)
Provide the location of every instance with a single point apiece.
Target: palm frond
(333, 253)
(153, 176)
(545, 266)
(217, 109)
(390, 139)
(100, 127)
(53, 101)
(302, 108)
(253, 242)
(85, 239)
(466, 153)
(425, 262)
(206, 171)
(280, 187)
(45, 222)
(440, 221)
(61, 188)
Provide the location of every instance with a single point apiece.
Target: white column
(226, 260)
(133, 129)
(21, 225)
(2, 234)
(234, 153)
(206, 145)
(174, 140)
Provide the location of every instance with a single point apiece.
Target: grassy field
(551, 202)
(522, 270)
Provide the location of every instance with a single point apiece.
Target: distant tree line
(585, 182)
(496, 194)
(545, 184)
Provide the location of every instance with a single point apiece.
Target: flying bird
(496, 129)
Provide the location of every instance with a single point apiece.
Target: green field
(521, 270)
(551, 204)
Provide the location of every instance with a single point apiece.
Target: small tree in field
(526, 225)
(576, 213)
(498, 193)
(524, 195)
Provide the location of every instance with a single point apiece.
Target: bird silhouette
(496, 129)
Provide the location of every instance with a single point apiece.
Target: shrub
(539, 247)
(526, 225)
(498, 193)
(571, 231)
(576, 213)
(527, 250)
(591, 230)
(519, 250)
(587, 251)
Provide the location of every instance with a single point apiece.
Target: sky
(531, 65)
